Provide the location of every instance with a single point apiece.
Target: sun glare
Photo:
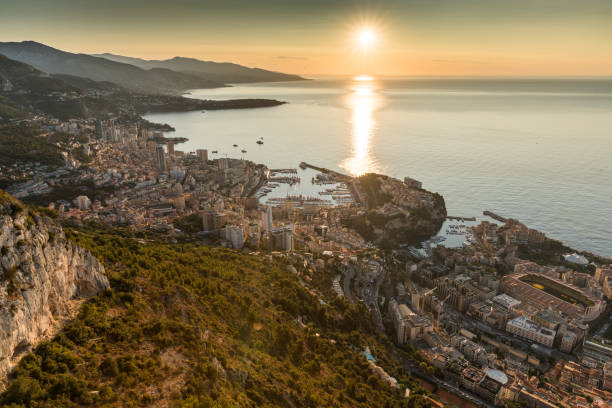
(366, 37)
(363, 78)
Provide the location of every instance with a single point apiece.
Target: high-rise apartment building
(267, 219)
(235, 235)
(202, 155)
(160, 158)
(281, 239)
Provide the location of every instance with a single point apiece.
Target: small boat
(243, 151)
(215, 151)
(235, 145)
(259, 142)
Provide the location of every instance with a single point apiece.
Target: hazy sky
(414, 37)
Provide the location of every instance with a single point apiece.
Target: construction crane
(439, 311)
(422, 299)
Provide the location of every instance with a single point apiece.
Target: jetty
(288, 180)
(286, 171)
(494, 216)
(343, 177)
(455, 218)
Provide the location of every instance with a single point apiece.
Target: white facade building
(523, 327)
(235, 235)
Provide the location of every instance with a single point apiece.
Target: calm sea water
(538, 150)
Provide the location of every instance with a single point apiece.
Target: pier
(343, 177)
(494, 216)
(288, 180)
(285, 171)
(455, 218)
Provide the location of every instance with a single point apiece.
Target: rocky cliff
(44, 277)
(397, 212)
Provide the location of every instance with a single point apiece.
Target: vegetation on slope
(8, 110)
(370, 184)
(194, 326)
(25, 143)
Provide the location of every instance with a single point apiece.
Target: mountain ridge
(226, 72)
(55, 61)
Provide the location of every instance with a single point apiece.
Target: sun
(365, 37)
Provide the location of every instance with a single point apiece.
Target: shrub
(109, 367)
(23, 390)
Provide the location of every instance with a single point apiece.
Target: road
(369, 294)
(348, 276)
(514, 341)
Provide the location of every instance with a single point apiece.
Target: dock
(285, 171)
(455, 218)
(494, 216)
(343, 177)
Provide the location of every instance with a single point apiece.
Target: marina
(285, 186)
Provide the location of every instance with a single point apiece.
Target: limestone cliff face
(43, 278)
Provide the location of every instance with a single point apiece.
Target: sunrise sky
(316, 37)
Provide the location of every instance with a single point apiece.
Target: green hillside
(194, 326)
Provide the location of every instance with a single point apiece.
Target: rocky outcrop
(44, 277)
(397, 212)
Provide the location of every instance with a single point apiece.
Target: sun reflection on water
(363, 102)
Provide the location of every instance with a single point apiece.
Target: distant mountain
(25, 90)
(225, 72)
(15, 75)
(89, 84)
(18, 76)
(55, 61)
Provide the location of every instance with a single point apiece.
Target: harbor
(306, 185)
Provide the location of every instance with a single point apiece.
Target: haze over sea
(539, 150)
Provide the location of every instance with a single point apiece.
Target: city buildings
(202, 155)
(281, 239)
(408, 325)
(235, 235)
(213, 220)
(82, 202)
(412, 183)
(523, 327)
(223, 164)
(160, 158)
(506, 303)
(99, 130)
(267, 219)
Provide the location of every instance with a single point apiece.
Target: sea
(535, 149)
